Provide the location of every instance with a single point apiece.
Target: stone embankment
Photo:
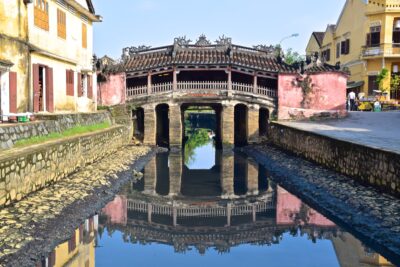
(32, 227)
(368, 165)
(26, 170)
(373, 217)
(46, 124)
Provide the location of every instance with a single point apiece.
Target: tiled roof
(315, 68)
(219, 55)
(319, 36)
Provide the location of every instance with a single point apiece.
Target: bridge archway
(240, 122)
(263, 120)
(162, 125)
(138, 115)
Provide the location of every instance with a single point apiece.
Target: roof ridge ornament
(223, 40)
(202, 41)
(182, 41)
(129, 52)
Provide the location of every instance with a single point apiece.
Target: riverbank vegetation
(77, 130)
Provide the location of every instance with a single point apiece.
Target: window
(61, 24)
(326, 55)
(84, 35)
(41, 14)
(374, 37)
(337, 50)
(396, 33)
(70, 82)
(345, 47)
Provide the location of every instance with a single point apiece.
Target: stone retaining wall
(371, 166)
(26, 170)
(45, 124)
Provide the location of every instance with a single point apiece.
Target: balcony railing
(196, 85)
(388, 49)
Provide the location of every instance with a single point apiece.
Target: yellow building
(46, 46)
(365, 40)
(78, 251)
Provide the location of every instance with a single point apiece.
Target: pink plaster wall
(112, 92)
(328, 96)
(117, 210)
(288, 205)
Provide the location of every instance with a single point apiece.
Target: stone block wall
(25, 170)
(45, 124)
(375, 167)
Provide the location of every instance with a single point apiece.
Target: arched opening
(138, 123)
(263, 122)
(162, 125)
(240, 119)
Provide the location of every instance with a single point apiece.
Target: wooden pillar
(174, 216)
(228, 214)
(149, 212)
(255, 91)
(175, 173)
(227, 176)
(175, 127)
(150, 177)
(174, 80)
(229, 81)
(252, 124)
(228, 126)
(252, 178)
(149, 126)
(254, 213)
(149, 83)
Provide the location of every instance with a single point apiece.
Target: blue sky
(247, 22)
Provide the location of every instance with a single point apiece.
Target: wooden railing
(196, 85)
(242, 87)
(202, 85)
(136, 91)
(201, 211)
(161, 88)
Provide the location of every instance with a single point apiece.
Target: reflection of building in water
(351, 252)
(78, 251)
(232, 203)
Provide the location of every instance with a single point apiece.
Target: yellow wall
(13, 46)
(354, 23)
(312, 46)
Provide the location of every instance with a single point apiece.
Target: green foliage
(395, 82)
(68, 133)
(197, 139)
(292, 56)
(382, 76)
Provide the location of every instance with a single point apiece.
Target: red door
(36, 88)
(49, 90)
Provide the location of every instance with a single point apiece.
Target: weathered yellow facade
(79, 250)
(39, 43)
(14, 53)
(365, 40)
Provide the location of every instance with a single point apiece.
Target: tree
(380, 79)
(291, 56)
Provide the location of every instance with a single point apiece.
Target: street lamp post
(285, 38)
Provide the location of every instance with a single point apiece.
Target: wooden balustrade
(197, 85)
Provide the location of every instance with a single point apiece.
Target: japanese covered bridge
(242, 85)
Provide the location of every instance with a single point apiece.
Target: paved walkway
(374, 129)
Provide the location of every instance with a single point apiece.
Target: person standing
(352, 98)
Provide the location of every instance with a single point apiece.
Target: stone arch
(162, 125)
(138, 123)
(263, 120)
(241, 122)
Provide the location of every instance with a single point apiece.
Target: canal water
(219, 210)
(205, 207)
